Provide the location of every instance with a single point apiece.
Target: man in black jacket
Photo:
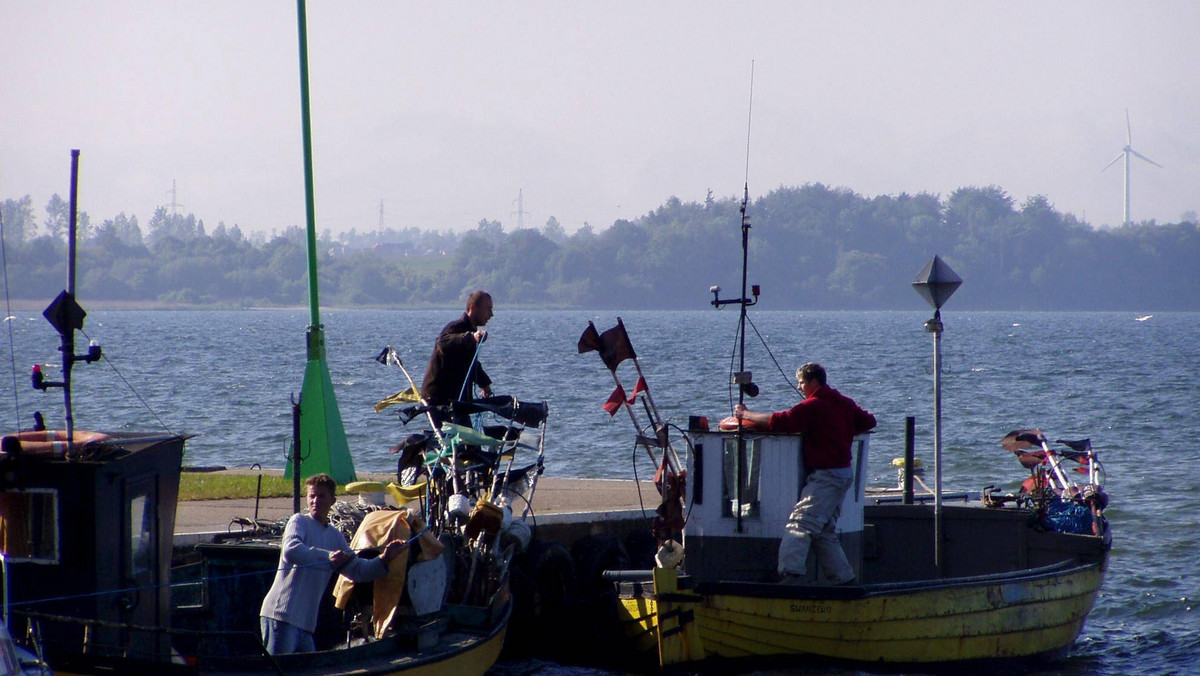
(453, 369)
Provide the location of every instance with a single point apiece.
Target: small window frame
(41, 524)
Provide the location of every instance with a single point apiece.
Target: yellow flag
(404, 397)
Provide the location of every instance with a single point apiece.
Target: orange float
(51, 442)
(730, 424)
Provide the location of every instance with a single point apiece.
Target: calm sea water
(1131, 386)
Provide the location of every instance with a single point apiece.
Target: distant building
(393, 249)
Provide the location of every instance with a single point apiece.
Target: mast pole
(68, 336)
(936, 283)
(321, 428)
(935, 327)
(742, 303)
(742, 378)
(309, 206)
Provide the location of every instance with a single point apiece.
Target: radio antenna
(749, 118)
(743, 302)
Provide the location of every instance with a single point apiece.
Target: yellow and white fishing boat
(933, 584)
(1005, 587)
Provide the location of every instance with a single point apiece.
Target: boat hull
(996, 617)
(459, 652)
(1009, 591)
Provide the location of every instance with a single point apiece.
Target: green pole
(310, 211)
(323, 446)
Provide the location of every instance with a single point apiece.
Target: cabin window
(29, 525)
(141, 531)
(747, 499)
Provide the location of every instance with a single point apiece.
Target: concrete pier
(564, 510)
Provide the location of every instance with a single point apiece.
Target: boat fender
(519, 533)
(669, 555)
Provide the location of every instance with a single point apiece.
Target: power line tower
(520, 212)
(174, 199)
(380, 215)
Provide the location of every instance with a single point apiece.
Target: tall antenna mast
(742, 378)
(745, 242)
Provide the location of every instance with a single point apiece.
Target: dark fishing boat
(1014, 577)
(87, 525)
(88, 542)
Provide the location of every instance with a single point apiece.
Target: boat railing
(90, 626)
(890, 498)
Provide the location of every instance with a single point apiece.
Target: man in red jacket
(829, 421)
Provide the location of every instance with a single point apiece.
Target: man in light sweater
(310, 553)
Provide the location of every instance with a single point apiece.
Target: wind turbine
(1126, 152)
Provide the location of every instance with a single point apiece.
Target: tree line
(810, 247)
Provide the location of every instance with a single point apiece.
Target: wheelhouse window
(744, 474)
(141, 534)
(29, 525)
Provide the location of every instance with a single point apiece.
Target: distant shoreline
(26, 305)
(108, 304)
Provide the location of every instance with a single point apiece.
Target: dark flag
(1019, 440)
(1081, 446)
(613, 344)
(590, 340)
(615, 400)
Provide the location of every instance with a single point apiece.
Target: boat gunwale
(385, 662)
(1064, 568)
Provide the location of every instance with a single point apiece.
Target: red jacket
(828, 420)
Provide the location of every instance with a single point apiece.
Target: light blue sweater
(304, 571)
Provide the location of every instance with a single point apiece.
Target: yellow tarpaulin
(377, 529)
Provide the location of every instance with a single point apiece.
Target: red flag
(615, 400)
(640, 387)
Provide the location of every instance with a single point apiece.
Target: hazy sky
(446, 111)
